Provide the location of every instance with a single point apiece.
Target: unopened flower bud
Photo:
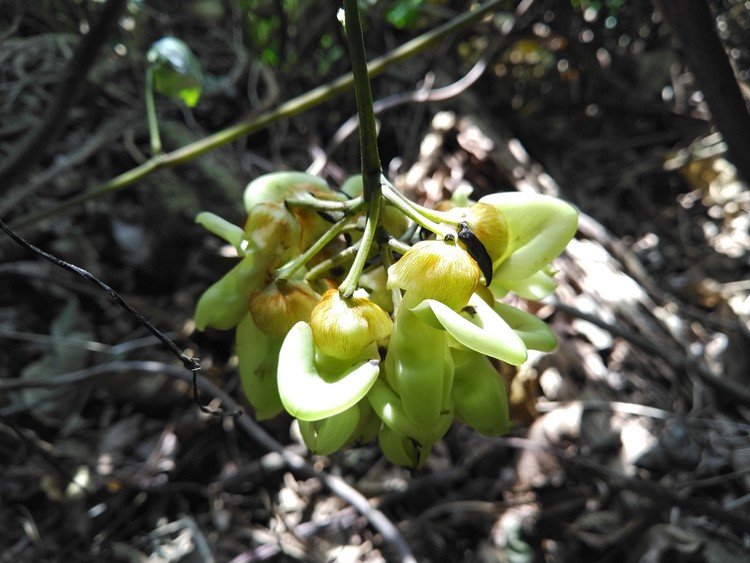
(280, 305)
(343, 327)
(437, 270)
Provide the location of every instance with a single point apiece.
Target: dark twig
(31, 146)
(335, 484)
(421, 95)
(642, 487)
(190, 363)
(677, 360)
(51, 461)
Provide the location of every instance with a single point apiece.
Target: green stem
(324, 266)
(368, 135)
(256, 123)
(349, 285)
(153, 123)
(288, 269)
(406, 207)
(395, 244)
(368, 141)
(433, 214)
(349, 206)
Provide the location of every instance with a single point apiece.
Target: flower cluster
(411, 346)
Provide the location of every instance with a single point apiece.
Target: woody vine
(403, 343)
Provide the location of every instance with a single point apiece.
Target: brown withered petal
(280, 305)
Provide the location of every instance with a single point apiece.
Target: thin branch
(31, 147)
(254, 123)
(677, 360)
(420, 95)
(251, 429)
(191, 364)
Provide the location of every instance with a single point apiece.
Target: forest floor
(632, 438)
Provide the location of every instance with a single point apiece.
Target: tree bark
(693, 23)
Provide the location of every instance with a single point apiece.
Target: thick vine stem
(368, 135)
(368, 141)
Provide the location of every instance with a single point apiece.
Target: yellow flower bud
(343, 327)
(491, 228)
(280, 305)
(433, 269)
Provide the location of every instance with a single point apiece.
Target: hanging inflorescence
(397, 348)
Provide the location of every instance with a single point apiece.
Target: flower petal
(540, 228)
(222, 229)
(535, 287)
(531, 329)
(484, 331)
(312, 394)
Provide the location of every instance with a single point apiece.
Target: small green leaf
(310, 393)
(404, 13)
(482, 330)
(176, 71)
(531, 329)
(540, 227)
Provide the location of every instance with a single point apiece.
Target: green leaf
(176, 71)
(310, 393)
(404, 13)
(69, 335)
(540, 227)
(482, 330)
(531, 329)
